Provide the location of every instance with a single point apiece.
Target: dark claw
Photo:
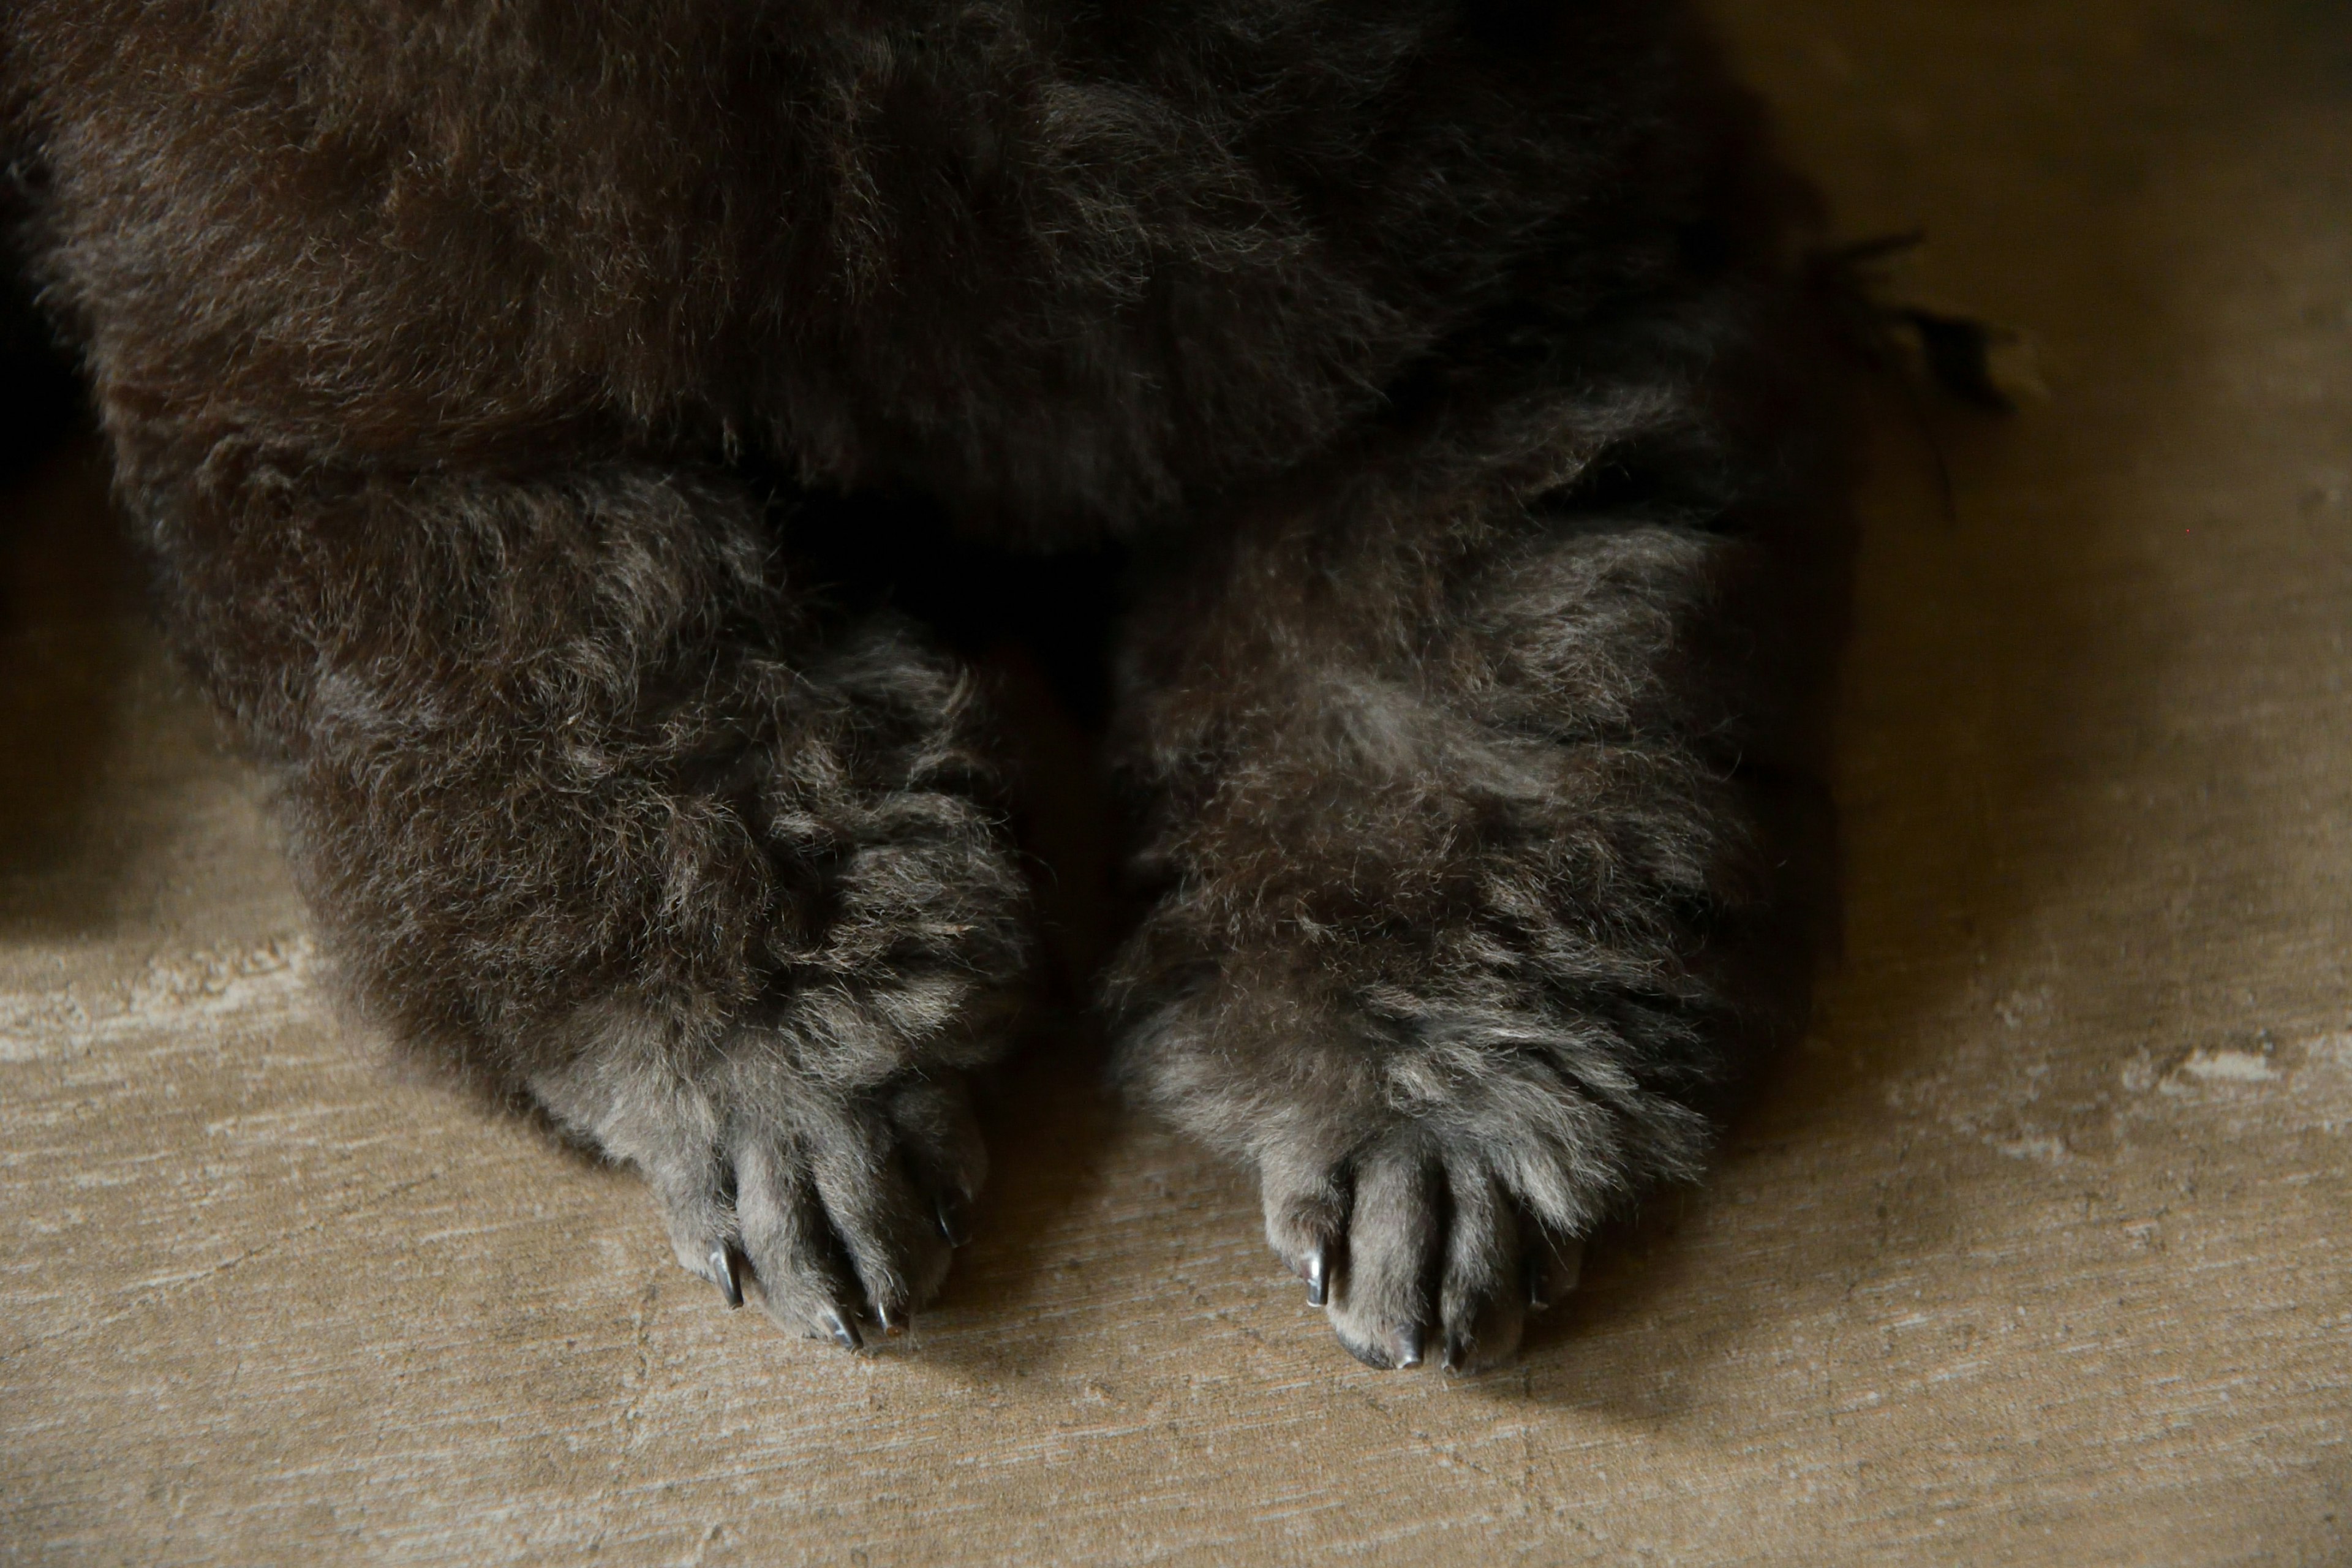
(722, 1266)
(1546, 1269)
(1318, 1275)
(952, 1224)
(1409, 1343)
(1459, 1348)
(891, 1326)
(845, 1332)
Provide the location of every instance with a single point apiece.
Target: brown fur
(1444, 366)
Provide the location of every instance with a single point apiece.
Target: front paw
(1428, 1167)
(837, 1211)
(1416, 1247)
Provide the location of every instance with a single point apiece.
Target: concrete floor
(2035, 1254)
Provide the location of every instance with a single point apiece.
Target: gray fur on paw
(1429, 1183)
(1420, 1252)
(832, 1209)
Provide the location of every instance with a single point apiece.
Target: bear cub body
(1444, 368)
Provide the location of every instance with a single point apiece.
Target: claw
(891, 1326)
(952, 1224)
(845, 1332)
(1459, 1348)
(1544, 1268)
(723, 1269)
(1408, 1346)
(1318, 1275)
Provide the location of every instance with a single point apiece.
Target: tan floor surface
(2036, 1253)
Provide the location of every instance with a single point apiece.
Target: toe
(1480, 1304)
(1306, 1219)
(886, 1225)
(701, 1221)
(940, 1139)
(802, 1284)
(1554, 1263)
(1380, 1299)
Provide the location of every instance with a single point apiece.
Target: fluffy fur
(1442, 364)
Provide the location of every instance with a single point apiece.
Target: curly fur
(1444, 365)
